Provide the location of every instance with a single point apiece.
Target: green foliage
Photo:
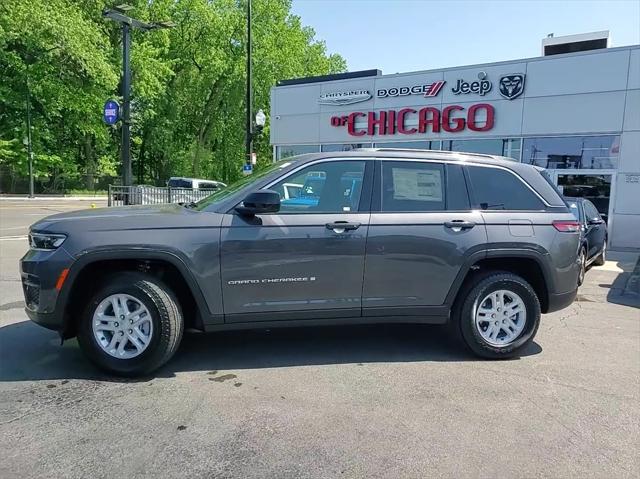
(188, 98)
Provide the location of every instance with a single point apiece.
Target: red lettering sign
(452, 119)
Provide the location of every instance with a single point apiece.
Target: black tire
(166, 318)
(477, 290)
(602, 257)
(583, 265)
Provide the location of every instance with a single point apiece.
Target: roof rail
(421, 150)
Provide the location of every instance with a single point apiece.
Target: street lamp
(118, 14)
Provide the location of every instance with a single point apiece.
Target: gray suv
(484, 243)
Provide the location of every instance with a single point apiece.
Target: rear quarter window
(498, 189)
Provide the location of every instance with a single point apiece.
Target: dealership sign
(344, 97)
(480, 87)
(451, 119)
(511, 86)
(430, 90)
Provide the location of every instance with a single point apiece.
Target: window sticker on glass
(417, 184)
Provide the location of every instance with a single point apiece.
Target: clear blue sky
(408, 35)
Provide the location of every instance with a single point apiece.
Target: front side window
(572, 152)
(412, 186)
(498, 189)
(327, 187)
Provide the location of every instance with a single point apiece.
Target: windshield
(241, 183)
(573, 206)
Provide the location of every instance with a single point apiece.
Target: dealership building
(575, 111)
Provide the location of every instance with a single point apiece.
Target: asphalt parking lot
(369, 401)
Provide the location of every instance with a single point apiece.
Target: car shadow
(28, 352)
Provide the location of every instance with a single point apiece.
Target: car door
(307, 260)
(596, 229)
(421, 231)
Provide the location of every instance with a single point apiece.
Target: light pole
(249, 133)
(118, 14)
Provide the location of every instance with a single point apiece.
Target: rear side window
(497, 189)
(180, 183)
(412, 186)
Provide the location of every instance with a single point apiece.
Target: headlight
(45, 241)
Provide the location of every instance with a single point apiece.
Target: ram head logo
(511, 86)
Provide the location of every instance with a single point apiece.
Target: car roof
(390, 153)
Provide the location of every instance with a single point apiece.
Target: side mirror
(595, 221)
(259, 202)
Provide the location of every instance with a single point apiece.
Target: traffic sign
(111, 112)
(247, 169)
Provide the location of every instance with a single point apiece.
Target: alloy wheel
(500, 317)
(122, 326)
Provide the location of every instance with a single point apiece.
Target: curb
(632, 286)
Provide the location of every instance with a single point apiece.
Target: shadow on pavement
(619, 291)
(28, 352)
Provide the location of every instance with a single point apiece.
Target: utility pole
(125, 150)
(118, 14)
(249, 127)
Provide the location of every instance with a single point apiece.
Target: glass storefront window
(509, 147)
(573, 152)
(285, 151)
(595, 188)
(419, 145)
(343, 146)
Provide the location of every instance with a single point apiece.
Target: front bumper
(560, 301)
(39, 271)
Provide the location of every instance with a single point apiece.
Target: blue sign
(247, 169)
(111, 112)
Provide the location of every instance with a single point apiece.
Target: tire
(583, 265)
(162, 320)
(464, 315)
(602, 257)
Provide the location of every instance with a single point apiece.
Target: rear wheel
(582, 259)
(602, 257)
(498, 316)
(131, 326)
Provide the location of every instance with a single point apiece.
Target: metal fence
(150, 195)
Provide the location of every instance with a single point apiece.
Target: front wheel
(499, 315)
(131, 326)
(582, 259)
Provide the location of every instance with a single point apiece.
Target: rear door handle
(458, 225)
(342, 226)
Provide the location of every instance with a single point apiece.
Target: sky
(409, 35)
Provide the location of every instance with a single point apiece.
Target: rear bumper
(560, 301)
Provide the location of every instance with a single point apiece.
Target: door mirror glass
(260, 202)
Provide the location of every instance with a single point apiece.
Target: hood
(111, 218)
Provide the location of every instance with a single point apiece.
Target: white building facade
(575, 114)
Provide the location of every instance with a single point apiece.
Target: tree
(187, 90)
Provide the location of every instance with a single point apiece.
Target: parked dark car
(481, 242)
(593, 237)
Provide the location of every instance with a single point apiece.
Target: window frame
(476, 205)
(364, 205)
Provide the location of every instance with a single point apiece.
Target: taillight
(566, 226)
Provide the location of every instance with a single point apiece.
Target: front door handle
(458, 225)
(342, 226)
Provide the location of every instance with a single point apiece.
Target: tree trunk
(90, 162)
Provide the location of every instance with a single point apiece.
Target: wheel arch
(88, 271)
(531, 264)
